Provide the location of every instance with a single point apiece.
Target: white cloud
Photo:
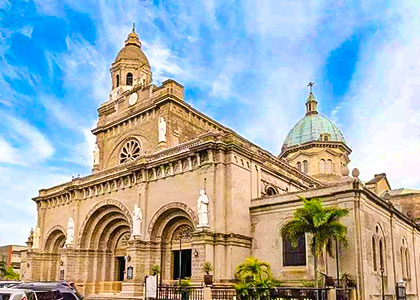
(18, 186)
(385, 108)
(39, 148)
(33, 146)
(164, 63)
(7, 152)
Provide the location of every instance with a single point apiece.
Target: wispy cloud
(384, 106)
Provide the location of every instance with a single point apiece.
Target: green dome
(312, 128)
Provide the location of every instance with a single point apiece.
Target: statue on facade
(96, 155)
(162, 130)
(202, 209)
(36, 237)
(70, 232)
(137, 216)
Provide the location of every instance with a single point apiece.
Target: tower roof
(132, 50)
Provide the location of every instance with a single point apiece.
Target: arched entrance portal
(104, 236)
(53, 244)
(173, 228)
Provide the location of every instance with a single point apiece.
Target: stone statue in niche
(137, 220)
(36, 238)
(162, 130)
(96, 155)
(202, 209)
(70, 232)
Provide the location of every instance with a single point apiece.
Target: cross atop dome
(311, 103)
(310, 84)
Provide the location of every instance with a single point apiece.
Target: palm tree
(323, 223)
(253, 274)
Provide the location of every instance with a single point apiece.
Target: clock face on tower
(132, 99)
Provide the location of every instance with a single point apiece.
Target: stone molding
(169, 162)
(50, 231)
(112, 202)
(165, 208)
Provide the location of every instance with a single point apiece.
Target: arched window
(405, 260)
(271, 191)
(381, 255)
(407, 263)
(374, 253)
(117, 81)
(328, 167)
(322, 166)
(129, 79)
(305, 167)
(299, 166)
(294, 256)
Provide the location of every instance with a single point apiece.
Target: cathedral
(174, 188)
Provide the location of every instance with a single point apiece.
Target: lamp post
(382, 278)
(184, 232)
(336, 261)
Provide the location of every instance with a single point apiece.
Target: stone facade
(157, 152)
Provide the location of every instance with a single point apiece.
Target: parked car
(61, 290)
(16, 294)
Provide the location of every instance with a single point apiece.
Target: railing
(342, 294)
(179, 293)
(290, 293)
(298, 293)
(223, 293)
(229, 293)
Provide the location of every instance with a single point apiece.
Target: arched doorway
(104, 235)
(181, 249)
(173, 227)
(53, 244)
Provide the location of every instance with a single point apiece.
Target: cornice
(320, 144)
(169, 162)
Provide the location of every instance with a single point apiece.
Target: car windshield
(4, 296)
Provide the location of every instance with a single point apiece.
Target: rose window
(130, 151)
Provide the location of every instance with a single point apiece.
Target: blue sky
(244, 63)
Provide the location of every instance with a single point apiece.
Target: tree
(254, 277)
(11, 274)
(2, 268)
(323, 223)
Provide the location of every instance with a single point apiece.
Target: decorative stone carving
(36, 238)
(137, 216)
(70, 232)
(96, 155)
(202, 209)
(162, 130)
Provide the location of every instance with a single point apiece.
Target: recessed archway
(173, 226)
(104, 234)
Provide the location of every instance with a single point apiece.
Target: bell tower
(131, 67)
